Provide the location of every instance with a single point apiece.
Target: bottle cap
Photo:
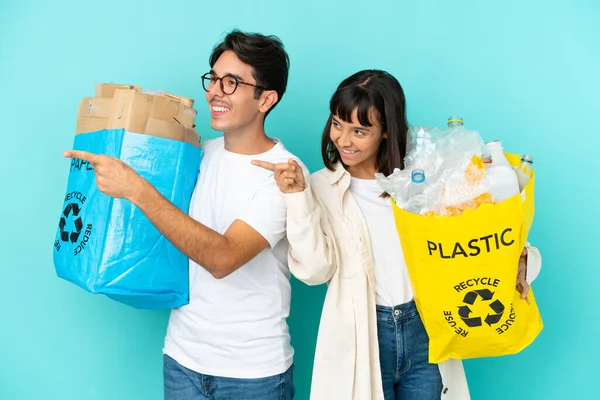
(418, 176)
(487, 158)
(455, 121)
(527, 158)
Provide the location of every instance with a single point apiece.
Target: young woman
(371, 343)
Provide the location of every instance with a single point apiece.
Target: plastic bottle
(455, 122)
(496, 151)
(524, 171)
(453, 135)
(421, 145)
(501, 176)
(416, 199)
(459, 142)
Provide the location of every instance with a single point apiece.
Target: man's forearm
(201, 244)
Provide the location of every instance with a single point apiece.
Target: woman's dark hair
(365, 91)
(265, 54)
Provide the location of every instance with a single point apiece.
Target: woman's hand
(288, 176)
(522, 285)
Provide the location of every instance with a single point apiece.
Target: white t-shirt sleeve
(266, 213)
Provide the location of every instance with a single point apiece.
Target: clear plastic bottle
(421, 146)
(458, 142)
(524, 170)
(453, 136)
(502, 177)
(416, 196)
(455, 122)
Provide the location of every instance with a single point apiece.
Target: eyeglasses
(229, 83)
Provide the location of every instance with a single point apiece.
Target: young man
(232, 340)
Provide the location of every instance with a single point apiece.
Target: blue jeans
(403, 355)
(181, 383)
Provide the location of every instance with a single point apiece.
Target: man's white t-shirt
(236, 326)
(392, 283)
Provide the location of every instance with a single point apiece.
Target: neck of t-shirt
(365, 186)
(363, 181)
(248, 141)
(255, 154)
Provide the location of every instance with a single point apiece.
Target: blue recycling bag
(107, 245)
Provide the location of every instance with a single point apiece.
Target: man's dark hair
(265, 54)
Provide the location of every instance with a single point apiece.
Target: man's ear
(268, 99)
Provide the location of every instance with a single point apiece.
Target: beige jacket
(329, 243)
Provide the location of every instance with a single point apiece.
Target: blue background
(522, 72)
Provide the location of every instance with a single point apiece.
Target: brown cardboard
(164, 108)
(127, 107)
(169, 109)
(169, 130)
(95, 107)
(130, 110)
(187, 116)
(192, 137)
(108, 89)
(185, 100)
(90, 124)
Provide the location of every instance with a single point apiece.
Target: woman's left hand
(522, 285)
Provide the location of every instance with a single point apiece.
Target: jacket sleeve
(312, 254)
(534, 263)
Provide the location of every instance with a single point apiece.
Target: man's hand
(522, 285)
(113, 177)
(218, 254)
(288, 176)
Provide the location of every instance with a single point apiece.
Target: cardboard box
(126, 107)
(130, 110)
(95, 107)
(108, 89)
(170, 109)
(90, 124)
(187, 116)
(185, 100)
(192, 137)
(170, 130)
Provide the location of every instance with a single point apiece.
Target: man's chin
(217, 125)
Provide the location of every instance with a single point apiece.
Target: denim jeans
(403, 355)
(181, 383)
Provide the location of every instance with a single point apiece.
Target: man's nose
(215, 89)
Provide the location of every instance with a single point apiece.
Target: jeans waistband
(398, 312)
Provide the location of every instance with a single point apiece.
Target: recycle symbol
(472, 321)
(73, 210)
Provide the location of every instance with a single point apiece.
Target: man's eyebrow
(236, 76)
